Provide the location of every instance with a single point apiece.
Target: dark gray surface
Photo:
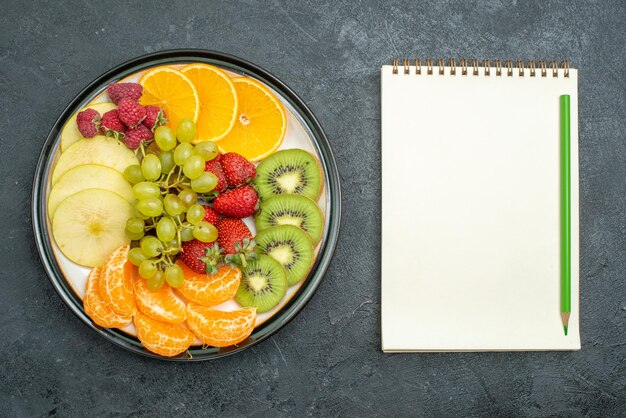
(327, 361)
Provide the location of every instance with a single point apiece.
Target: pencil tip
(565, 318)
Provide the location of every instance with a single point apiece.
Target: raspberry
(155, 117)
(87, 122)
(133, 137)
(131, 112)
(119, 91)
(111, 125)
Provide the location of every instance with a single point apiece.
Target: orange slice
(261, 122)
(166, 340)
(96, 308)
(116, 283)
(172, 91)
(161, 305)
(218, 101)
(220, 329)
(210, 290)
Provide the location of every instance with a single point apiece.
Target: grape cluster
(167, 211)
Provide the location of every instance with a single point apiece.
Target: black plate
(43, 236)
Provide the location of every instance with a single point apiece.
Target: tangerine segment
(261, 122)
(96, 308)
(161, 304)
(218, 328)
(210, 290)
(171, 90)
(116, 283)
(164, 339)
(218, 101)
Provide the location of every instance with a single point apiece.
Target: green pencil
(566, 248)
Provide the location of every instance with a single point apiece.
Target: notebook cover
(470, 212)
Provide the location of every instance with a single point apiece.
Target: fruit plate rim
(319, 140)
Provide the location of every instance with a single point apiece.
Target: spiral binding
(535, 68)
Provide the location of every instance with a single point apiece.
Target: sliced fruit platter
(188, 207)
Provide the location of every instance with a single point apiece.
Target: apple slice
(70, 133)
(89, 225)
(88, 176)
(97, 150)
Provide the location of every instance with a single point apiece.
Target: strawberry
(214, 167)
(210, 215)
(155, 117)
(131, 112)
(87, 122)
(237, 169)
(235, 238)
(236, 203)
(119, 91)
(111, 125)
(133, 137)
(201, 257)
(230, 232)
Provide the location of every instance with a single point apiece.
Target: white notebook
(470, 207)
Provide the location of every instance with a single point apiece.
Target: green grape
(173, 205)
(133, 174)
(147, 269)
(151, 246)
(173, 247)
(146, 190)
(186, 130)
(137, 213)
(188, 197)
(151, 167)
(194, 166)
(151, 207)
(182, 152)
(167, 161)
(206, 149)
(186, 234)
(195, 214)
(135, 255)
(166, 229)
(205, 232)
(156, 281)
(135, 225)
(134, 236)
(174, 275)
(135, 228)
(205, 183)
(165, 138)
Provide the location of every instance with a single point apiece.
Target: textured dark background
(327, 362)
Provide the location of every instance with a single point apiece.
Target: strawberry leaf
(161, 119)
(244, 251)
(209, 197)
(213, 258)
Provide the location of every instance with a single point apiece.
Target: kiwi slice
(291, 209)
(291, 171)
(290, 246)
(263, 284)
